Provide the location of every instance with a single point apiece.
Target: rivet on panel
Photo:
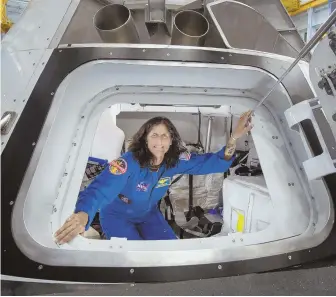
(117, 88)
(40, 267)
(132, 271)
(222, 58)
(110, 53)
(233, 240)
(144, 50)
(290, 257)
(34, 143)
(11, 203)
(168, 54)
(52, 93)
(220, 267)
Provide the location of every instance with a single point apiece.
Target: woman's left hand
(244, 125)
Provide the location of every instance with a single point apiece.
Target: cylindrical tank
(189, 28)
(115, 24)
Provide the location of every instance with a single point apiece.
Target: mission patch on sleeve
(118, 167)
(185, 156)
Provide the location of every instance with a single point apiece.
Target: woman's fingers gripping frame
(70, 229)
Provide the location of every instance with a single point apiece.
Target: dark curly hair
(141, 153)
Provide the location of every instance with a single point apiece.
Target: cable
(199, 128)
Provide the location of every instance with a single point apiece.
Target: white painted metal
(37, 25)
(19, 73)
(99, 92)
(249, 199)
(315, 166)
(108, 139)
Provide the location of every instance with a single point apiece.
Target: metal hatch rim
(171, 273)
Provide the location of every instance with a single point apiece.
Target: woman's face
(159, 140)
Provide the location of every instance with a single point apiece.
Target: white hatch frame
(52, 182)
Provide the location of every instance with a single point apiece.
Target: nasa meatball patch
(185, 156)
(142, 187)
(118, 167)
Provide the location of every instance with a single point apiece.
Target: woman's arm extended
(244, 125)
(102, 190)
(215, 162)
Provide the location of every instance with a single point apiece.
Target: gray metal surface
(156, 10)
(308, 282)
(305, 50)
(241, 26)
(158, 18)
(115, 24)
(189, 28)
(81, 29)
(278, 17)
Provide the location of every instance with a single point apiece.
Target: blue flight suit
(127, 195)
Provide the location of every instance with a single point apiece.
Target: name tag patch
(124, 199)
(164, 182)
(142, 187)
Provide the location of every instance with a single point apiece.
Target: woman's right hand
(73, 226)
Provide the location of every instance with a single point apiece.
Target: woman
(128, 190)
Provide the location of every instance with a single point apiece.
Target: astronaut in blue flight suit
(128, 190)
